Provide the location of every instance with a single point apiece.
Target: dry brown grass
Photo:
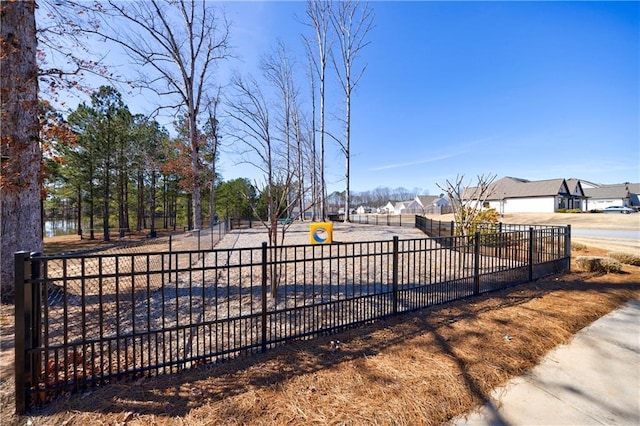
(628, 258)
(598, 264)
(423, 368)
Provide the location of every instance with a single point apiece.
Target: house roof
(510, 187)
(427, 200)
(620, 190)
(575, 186)
(402, 204)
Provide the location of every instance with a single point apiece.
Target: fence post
(531, 236)
(453, 228)
(567, 247)
(22, 324)
(499, 241)
(264, 296)
(476, 265)
(28, 299)
(394, 275)
(36, 313)
(198, 232)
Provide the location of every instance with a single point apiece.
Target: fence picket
(115, 316)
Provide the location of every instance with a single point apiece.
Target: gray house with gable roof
(515, 195)
(603, 196)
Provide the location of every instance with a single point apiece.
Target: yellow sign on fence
(321, 233)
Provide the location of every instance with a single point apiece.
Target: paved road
(607, 233)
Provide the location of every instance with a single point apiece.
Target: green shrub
(626, 258)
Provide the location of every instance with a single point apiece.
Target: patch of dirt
(421, 368)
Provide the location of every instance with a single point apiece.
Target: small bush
(626, 258)
(588, 263)
(598, 264)
(568, 211)
(610, 265)
(578, 246)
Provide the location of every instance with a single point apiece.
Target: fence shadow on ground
(164, 396)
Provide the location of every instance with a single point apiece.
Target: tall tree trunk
(21, 227)
(79, 213)
(105, 205)
(107, 183)
(140, 221)
(121, 201)
(92, 223)
(152, 212)
(165, 203)
(126, 202)
(190, 213)
(195, 218)
(174, 209)
(347, 155)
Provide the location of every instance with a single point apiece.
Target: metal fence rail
(94, 319)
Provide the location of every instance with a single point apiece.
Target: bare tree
(468, 201)
(351, 21)
(64, 54)
(176, 44)
(278, 70)
(318, 14)
(314, 172)
(21, 221)
(301, 145)
(253, 130)
(212, 133)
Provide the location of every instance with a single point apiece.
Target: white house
(401, 206)
(421, 204)
(623, 194)
(515, 195)
(387, 208)
(365, 210)
(432, 204)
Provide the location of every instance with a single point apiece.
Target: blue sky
(536, 90)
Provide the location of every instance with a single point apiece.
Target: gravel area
(298, 233)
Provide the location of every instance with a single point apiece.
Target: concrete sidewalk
(593, 380)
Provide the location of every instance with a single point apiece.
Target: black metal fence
(89, 320)
(384, 219)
